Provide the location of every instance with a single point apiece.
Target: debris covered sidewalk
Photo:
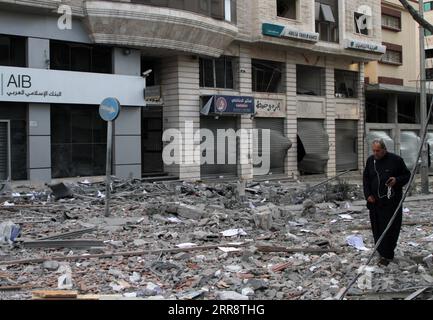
(226, 241)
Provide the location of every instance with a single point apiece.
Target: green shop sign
(274, 30)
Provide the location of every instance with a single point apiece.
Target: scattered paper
(16, 195)
(86, 182)
(346, 216)
(186, 245)
(228, 249)
(174, 220)
(406, 210)
(233, 232)
(8, 204)
(100, 194)
(356, 242)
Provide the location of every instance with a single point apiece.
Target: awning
(226, 105)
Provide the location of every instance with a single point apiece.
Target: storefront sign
(279, 31)
(229, 105)
(270, 108)
(52, 86)
(365, 46)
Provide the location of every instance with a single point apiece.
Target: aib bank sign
(53, 86)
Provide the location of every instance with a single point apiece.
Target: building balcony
(149, 26)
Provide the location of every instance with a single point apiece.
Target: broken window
(267, 76)
(78, 141)
(346, 84)
(377, 109)
(80, 57)
(327, 20)
(408, 109)
(361, 23)
(287, 8)
(429, 74)
(310, 80)
(217, 73)
(12, 51)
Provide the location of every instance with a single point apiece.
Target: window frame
(203, 73)
(355, 80)
(296, 13)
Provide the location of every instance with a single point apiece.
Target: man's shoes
(384, 262)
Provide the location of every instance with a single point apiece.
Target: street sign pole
(108, 168)
(109, 111)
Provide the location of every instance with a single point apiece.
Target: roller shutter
(346, 144)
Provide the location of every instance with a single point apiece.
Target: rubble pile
(178, 240)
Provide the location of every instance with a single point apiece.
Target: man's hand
(391, 182)
(371, 199)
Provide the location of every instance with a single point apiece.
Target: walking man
(385, 175)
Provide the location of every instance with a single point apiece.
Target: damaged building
(393, 86)
(296, 66)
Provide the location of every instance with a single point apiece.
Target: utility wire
(412, 177)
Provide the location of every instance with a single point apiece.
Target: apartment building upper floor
(400, 65)
(350, 28)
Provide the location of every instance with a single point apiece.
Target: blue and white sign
(279, 31)
(109, 109)
(228, 105)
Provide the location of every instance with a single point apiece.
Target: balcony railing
(217, 9)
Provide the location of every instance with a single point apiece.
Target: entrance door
(4, 151)
(151, 141)
(346, 144)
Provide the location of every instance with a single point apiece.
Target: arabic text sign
(233, 105)
(365, 46)
(109, 109)
(279, 31)
(52, 86)
(270, 108)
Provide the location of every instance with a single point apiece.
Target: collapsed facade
(294, 67)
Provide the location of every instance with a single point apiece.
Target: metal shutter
(346, 144)
(315, 141)
(4, 151)
(214, 124)
(279, 144)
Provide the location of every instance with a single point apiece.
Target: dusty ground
(165, 216)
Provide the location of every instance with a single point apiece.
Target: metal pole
(108, 169)
(423, 106)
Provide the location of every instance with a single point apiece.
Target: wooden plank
(416, 294)
(54, 294)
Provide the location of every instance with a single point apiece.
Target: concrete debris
(9, 232)
(309, 207)
(205, 241)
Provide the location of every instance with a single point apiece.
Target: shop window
(326, 16)
(217, 73)
(16, 114)
(310, 80)
(78, 141)
(12, 51)
(287, 9)
(80, 57)
(429, 54)
(267, 76)
(346, 84)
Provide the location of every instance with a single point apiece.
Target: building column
(39, 118)
(181, 115)
(331, 169)
(127, 128)
(362, 117)
(291, 118)
(246, 169)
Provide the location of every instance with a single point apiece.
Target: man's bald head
(379, 149)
